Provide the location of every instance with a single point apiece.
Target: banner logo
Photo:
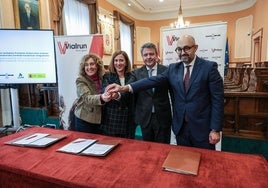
(213, 36)
(171, 39)
(67, 46)
(203, 50)
(216, 50)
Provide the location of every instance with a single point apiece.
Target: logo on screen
(6, 75)
(20, 76)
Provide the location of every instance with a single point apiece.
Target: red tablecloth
(133, 163)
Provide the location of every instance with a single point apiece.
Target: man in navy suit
(198, 109)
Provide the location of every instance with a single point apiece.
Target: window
(125, 40)
(76, 18)
(124, 34)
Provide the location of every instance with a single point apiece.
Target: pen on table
(78, 141)
(31, 137)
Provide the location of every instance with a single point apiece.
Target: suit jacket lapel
(144, 74)
(180, 75)
(195, 71)
(116, 78)
(160, 69)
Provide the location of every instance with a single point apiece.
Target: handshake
(112, 92)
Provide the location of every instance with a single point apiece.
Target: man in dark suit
(197, 109)
(153, 111)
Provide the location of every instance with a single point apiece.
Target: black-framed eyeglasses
(185, 49)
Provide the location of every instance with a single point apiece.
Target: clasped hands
(111, 93)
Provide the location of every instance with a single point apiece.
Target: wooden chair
(246, 113)
(252, 82)
(237, 79)
(243, 86)
(229, 75)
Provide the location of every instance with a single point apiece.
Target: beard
(185, 59)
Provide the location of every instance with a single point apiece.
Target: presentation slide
(27, 56)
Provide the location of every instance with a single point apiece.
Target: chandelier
(180, 22)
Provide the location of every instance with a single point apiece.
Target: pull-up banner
(69, 52)
(210, 38)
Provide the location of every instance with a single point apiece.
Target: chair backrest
(252, 81)
(235, 75)
(245, 82)
(230, 73)
(238, 76)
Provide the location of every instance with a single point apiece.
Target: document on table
(30, 138)
(101, 148)
(36, 140)
(77, 145)
(90, 147)
(97, 149)
(44, 141)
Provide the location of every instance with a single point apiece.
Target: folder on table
(182, 161)
(92, 147)
(36, 140)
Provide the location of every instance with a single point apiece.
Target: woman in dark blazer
(118, 114)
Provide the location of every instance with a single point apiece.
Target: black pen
(78, 141)
(31, 137)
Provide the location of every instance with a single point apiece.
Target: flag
(226, 61)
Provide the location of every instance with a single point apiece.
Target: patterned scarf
(96, 79)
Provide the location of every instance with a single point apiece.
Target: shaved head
(189, 39)
(186, 48)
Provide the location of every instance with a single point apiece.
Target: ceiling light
(180, 22)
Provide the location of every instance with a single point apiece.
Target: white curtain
(1, 14)
(125, 40)
(75, 18)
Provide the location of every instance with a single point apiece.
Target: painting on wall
(26, 14)
(107, 32)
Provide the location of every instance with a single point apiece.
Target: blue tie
(150, 74)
